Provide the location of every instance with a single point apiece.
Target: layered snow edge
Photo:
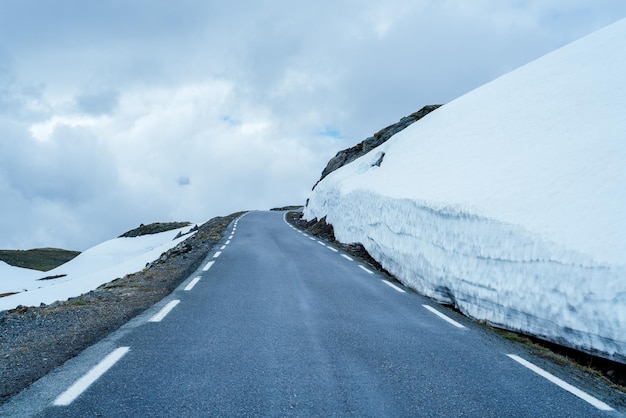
(461, 259)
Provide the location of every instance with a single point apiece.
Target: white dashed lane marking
(393, 286)
(94, 374)
(192, 283)
(164, 311)
(444, 317)
(562, 384)
(366, 269)
(217, 254)
(347, 257)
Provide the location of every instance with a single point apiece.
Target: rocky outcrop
(154, 228)
(42, 259)
(348, 155)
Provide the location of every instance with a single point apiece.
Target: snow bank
(92, 268)
(12, 278)
(508, 202)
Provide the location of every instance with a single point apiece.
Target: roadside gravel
(35, 340)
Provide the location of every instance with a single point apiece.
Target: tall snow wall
(509, 202)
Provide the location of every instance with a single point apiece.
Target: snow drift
(92, 268)
(509, 202)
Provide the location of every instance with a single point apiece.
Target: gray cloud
(103, 104)
(70, 166)
(99, 103)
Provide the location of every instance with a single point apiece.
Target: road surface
(278, 323)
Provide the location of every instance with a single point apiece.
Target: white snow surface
(94, 267)
(510, 201)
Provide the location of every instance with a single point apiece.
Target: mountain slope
(508, 202)
(42, 259)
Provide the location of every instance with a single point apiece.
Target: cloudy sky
(115, 113)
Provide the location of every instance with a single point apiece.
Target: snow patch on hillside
(509, 201)
(92, 268)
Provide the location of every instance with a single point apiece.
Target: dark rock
(286, 208)
(56, 276)
(380, 160)
(348, 155)
(180, 249)
(153, 228)
(322, 229)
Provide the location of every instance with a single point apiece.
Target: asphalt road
(277, 323)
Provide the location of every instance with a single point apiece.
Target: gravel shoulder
(35, 340)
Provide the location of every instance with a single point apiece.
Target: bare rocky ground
(35, 340)
(43, 259)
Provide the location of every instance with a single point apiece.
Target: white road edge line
(92, 375)
(208, 266)
(231, 237)
(366, 269)
(223, 247)
(217, 254)
(320, 242)
(393, 286)
(164, 311)
(192, 283)
(332, 249)
(312, 239)
(562, 384)
(347, 257)
(444, 317)
(227, 242)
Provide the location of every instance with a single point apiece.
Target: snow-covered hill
(92, 268)
(509, 202)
